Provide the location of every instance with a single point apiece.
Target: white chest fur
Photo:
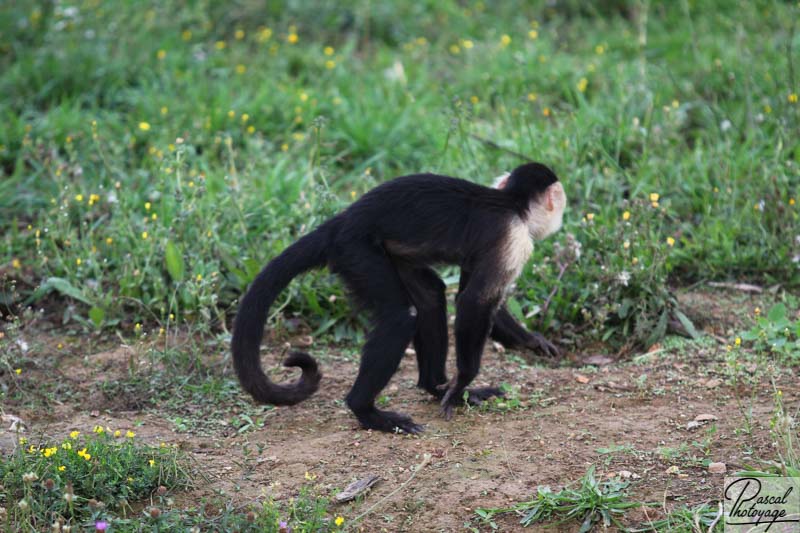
(517, 249)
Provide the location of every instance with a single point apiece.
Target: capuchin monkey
(384, 247)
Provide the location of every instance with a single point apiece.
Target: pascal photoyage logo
(762, 504)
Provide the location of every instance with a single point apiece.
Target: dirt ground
(626, 418)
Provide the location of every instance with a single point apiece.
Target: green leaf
(515, 308)
(777, 313)
(624, 308)
(62, 286)
(174, 260)
(97, 315)
(687, 325)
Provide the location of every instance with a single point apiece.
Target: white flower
(725, 125)
(624, 277)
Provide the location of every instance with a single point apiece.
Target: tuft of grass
(703, 518)
(591, 502)
(81, 478)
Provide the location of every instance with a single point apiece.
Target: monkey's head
(539, 191)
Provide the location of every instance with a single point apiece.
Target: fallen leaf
(713, 383)
(717, 468)
(356, 488)
(580, 378)
(705, 417)
(672, 470)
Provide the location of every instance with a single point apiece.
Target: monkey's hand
(538, 343)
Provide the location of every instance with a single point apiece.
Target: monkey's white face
(547, 213)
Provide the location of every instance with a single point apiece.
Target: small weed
(592, 502)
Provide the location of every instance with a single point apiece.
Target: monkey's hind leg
(374, 282)
(427, 292)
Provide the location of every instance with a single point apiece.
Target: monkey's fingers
(539, 343)
(447, 411)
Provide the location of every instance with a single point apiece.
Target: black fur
(383, 246)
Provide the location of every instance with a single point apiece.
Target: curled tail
(308, 252)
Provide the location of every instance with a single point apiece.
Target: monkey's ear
(501, 181)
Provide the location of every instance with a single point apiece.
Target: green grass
(154, 156)
(591, 503)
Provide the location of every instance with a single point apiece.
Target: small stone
(717, 468)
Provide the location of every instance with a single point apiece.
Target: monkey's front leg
(474, 312)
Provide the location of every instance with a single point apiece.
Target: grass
(591, 503)
(171, 151)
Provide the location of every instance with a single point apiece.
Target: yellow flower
(599, 49)
(532, 97)
(231, 113)
(654, 197)
(589, 216)
(47, 452)
(791, 201)
(310, 477)
(161, 54)
(505, 40)
(67, 445)
(18, 371)
(654, 204)
(144, 126)
(79, 198)
(474, 99)
(16, 263)
(78, 261)
(251, 129)
(62, 468)
(467, 44)
(330, 64)
(328, 50)
(737, 341)
(82, 453)
(22, 441)
(130, 434)
(144, 235)
(455, 49)
(670, 241)
(635, 260)
(32, 449)
(339, 521)
(264, 34)
(292, 38)
(199, 277)
(546, 111)
(533, 34)
(152, 462)
(74, 434)
(164, 110)
(109, 240)
(757, 311)
(137, 327)
(792, 98)
(186, 35)
(626, 215)
(98, 429)
(117, 433)
(241, 69)
(582, 83)
(675, 104)
(220, 45)
(239, 34)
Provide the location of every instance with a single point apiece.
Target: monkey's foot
(478, 395)
(388, 421)
(474, 396)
